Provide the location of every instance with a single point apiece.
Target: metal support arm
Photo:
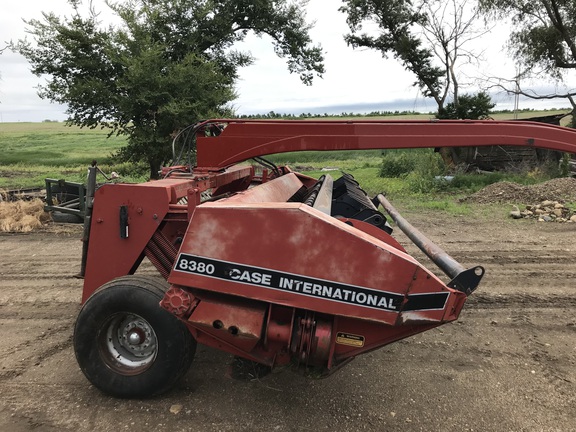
(465, 280)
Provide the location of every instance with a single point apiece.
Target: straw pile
(22, 216)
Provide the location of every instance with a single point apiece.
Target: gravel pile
(558, 190)
(546, 211)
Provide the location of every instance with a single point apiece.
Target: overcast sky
(355, 80)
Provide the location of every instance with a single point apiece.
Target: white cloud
(353, 78)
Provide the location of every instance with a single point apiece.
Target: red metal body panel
(109, 255)
(374, 232)
(375, 336)
(240, 323)
(275, 191)
(291, 238)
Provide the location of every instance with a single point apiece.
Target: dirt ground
(508, 364)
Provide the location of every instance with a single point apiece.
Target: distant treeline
(275, 115)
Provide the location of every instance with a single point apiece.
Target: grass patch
(31, 152)
(446, 204)
(341, 159)
(444, 208)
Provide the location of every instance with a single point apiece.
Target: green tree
(471, 107)
(426, 36)
(543, 39)
(467, 107)
(165, 65)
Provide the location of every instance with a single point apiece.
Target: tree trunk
(154, 169)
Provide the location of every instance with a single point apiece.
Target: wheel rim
(128, 343)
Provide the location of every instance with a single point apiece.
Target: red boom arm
(244, 139)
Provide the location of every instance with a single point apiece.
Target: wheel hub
(134, 338)
(128, 343)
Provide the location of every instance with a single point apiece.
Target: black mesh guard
(350, 201)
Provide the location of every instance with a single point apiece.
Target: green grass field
(53, 144)
(31, 152)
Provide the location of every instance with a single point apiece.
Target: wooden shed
(504, 158)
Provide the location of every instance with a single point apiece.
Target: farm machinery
(272, 266)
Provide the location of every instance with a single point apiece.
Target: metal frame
(58, 189)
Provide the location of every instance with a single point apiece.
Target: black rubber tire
(60, 217)
(123, 311)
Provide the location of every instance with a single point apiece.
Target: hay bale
(22, 216)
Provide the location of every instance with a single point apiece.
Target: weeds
(397, 164)
(421, 169)
(424, 172)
